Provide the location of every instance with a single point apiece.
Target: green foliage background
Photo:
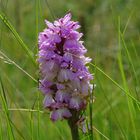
(112, 36)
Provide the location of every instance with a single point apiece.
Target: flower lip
(60, 114)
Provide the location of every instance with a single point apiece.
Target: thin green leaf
(133, 98)
(18, 38)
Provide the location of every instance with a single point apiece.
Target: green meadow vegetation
(112, 36)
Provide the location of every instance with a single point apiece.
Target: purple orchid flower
(64, 77)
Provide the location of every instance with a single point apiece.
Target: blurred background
(111, 31)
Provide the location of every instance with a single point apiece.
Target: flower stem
(73, 125)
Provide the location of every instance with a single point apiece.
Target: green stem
(73, 125)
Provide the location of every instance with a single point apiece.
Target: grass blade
(129, 102)
(18, 38)
(8, 60)
(115, 83)
(4, 104)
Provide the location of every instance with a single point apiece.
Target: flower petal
(48, 100)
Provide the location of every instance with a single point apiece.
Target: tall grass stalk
(115, 83)
(6, 111)
(1, 131)
(37, 5)
(120, 62)
(31, 125)
(91, 115)
(6, 59)
(118, 124)
(18, 38)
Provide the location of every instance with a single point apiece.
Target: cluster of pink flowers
(64, 77)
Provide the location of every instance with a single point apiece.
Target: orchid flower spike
(64, 76)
